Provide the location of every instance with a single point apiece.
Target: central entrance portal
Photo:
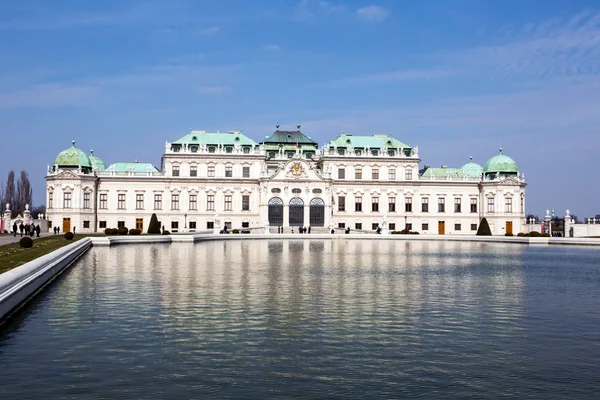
(317, 212)
(276, 212)
(296, 212)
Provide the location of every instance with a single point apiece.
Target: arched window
(317, 212)
(296, 209)
(276, 211)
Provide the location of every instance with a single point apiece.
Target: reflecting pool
(313, 319)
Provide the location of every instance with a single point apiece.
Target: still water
(312, 319)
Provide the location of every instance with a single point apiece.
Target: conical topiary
(153, 226)
(484, 228)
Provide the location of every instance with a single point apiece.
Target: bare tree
(24, 193)
(9, 192)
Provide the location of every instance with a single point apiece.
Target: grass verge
(12, 255)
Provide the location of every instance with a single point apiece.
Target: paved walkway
(7, 239)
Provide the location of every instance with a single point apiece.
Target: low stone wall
(19, 284)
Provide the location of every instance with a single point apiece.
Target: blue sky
(456, 78)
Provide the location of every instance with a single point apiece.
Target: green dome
(97, 164)
(472, 169)
(500, 163)
(72, 157)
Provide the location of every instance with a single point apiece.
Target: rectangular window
(228, 202)
(211, 170)
(121, 201)
(358, 173)
(246, 172)
(491, 205)
(193, 225)
(392, 226)
(228, 171)
(245, 224)
(341, 173)
(457, 205)
(120, 224)
(210, 225)
(375, 204)
(425, 204)
(193, 171)
(174, 225)
(174, 202)
(358, 204)
(175, 170)
(103, 201)
(408, 174)
(50, 196)
(341, 203)
(67, 200)
(341, 225)
(375, 173)
(473, 205)
(457, 227)
(245, 203)
(374, 225)
(441, 204)
(228, 225)
(193, 202)
(508, 203)
(158, 201)
(392, 174)
(210, 202)
(425, 227)
(139, 201)
(408, 204)
(102, 224)
(86, 224)
(358, 226)
(86, 200)
(392, 204)
(473, 227)
(409, 227)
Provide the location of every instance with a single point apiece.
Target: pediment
(509, 182)
(297, 170)
(68, 175)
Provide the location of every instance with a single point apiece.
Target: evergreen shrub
(26, 242)
(484, 228)
(154, 225)
(135, 231)
(69, 235)
(122, 230)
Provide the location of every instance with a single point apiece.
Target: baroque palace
(209, 181)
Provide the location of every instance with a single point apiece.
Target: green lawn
(12, 255)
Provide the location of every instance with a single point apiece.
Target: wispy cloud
(396, 76)
(208, 31)
(214, 89)
(271, 47)
(310, 10)
(372, 13)
(48, 95)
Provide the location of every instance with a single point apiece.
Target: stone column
(568, 224)
(6, 218)
(27, 214)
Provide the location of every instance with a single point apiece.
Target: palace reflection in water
(320, 318)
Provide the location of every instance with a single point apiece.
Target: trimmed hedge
(122, 230)
(404, 232)
(111, 231)
(154, 225)
(135, 231)
(484, 228)
(508, 234)
(235, 231)
(246, 231)
(26, 242)
(69, 235)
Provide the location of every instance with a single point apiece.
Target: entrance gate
(317, 212)
(276, 212)
(441, 227)
(66, 225)
(509, 227)
(296, 212)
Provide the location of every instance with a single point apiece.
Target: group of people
(56, 230)
(28, 229)
(301, 229)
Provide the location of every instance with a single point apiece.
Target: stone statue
(26, 207)
(266, 222)
(568, 212)
(7, 206)
(217, 221)
(384, 221)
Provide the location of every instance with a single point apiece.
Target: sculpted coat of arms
(297, 170)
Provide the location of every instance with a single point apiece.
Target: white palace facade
(208, 181)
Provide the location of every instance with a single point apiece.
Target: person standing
(38, 230)
(21, 228)
(15, 229)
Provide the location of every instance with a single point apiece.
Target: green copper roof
(132, 166)
(472, 169)
(72, 157)
(97, 164)
(443, 172)
(500, 163)
(375, 141)
(231, 138)
(289, 137)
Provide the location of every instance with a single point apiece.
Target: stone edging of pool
(20, 284)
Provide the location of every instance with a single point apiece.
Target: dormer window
(374, 152)
(246, 150)
(194, 138)
(358, 152)
(237, 138)
(211, 149)
(228, 149)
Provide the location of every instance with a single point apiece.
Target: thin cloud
(396, 76)
(271, 47)
(372, 13)
(208, 31)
